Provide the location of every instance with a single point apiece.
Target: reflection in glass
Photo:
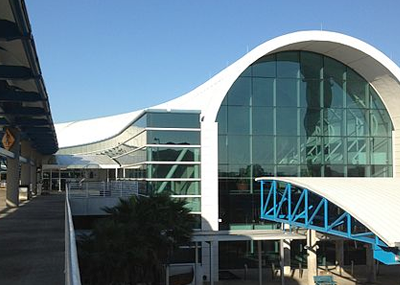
(297, 113)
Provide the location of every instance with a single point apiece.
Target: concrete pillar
(12, 192)
(371, 268)
(311, 255)
(339, 255)
(33, 171)
(282, 260)
(286, 249)
(259, 250)
(26, 167)
(286, 253)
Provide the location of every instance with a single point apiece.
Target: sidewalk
(32, 241)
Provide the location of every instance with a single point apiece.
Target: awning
(236, 235)
(82, 162)
(375, 202)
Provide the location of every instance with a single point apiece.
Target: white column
(286, 253)
(282, 260)
(311, 255)
(259, 262)
(26, 167)
(209, 190)
(12, 192)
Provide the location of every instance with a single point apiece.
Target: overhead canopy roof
(245, 235)
(82, 161)
(23, 98)
(375, 202)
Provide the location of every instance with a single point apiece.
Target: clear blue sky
(106, 57)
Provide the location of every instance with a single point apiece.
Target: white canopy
(375, 202)
(82, 161)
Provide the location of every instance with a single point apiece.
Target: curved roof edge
(93, 130)
(372, 201)
(369, 62)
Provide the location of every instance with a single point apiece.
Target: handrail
(72, 273)
(110, 189)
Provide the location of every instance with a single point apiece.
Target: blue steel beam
(280, 207)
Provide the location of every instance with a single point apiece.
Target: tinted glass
(173, 120)
(298, 113)
(173, 137)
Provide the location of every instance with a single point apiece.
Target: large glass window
(297, 113)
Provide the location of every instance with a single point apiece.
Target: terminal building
(310, 104)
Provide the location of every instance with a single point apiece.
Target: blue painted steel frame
(280, 206)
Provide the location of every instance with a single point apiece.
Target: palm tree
(135, 240)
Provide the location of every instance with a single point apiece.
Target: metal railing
(110, 189)
(72, 274)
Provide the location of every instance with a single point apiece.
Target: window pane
(263, 150)
(310, 93)
(380, 150)
(222, 149)
(356, 171)
(310, 122)
(263, 121)
(287, 170)
(333, 122)
(175, 171)
(334, 171)
(310, 149)
(286, 121)
(288, 65)
(173, 137)
(333, 94)
(334, 70)
(173, 120)
(380, 123)
(174, 154)
(381, 170)
(222, 120)
(239, 149)
(239, 94)
(357, 122)
(357, 150)
(376, 102)
(333, 150)
(239, 120)
(287, 150)
(286, 92)
(356, 91)
(176, 187)
(263, 92)
(311, 65)
(265, 67)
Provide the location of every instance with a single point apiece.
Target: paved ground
(32, 241)
(388, 275)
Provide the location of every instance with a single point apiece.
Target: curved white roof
(375, 202)
(89, 131)
(369, 62)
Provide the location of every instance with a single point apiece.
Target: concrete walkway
(32, 241)
(388, 275)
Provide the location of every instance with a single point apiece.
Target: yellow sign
(8, 140)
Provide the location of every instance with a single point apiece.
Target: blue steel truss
(285, 203)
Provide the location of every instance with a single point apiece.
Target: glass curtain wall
(161, 150)
(165, 155)
(297, 113)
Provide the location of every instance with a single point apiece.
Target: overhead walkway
(362, 209)
(32, 241)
